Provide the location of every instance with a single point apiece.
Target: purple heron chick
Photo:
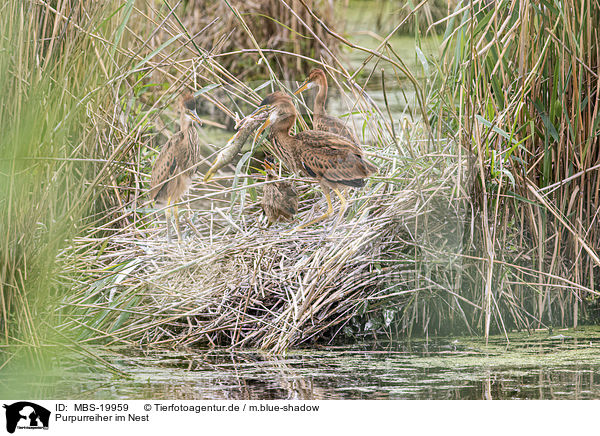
(176, 163)
(322, 121)
(280, 198)
(331, 159)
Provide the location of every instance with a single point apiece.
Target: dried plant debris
(232, 283)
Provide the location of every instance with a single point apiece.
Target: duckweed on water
(536, 366)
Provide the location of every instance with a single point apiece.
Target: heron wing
(331, 157)
(164, 168)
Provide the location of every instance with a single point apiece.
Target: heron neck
(282, 131)
(184, 120)
(320, 98)
(285, 123)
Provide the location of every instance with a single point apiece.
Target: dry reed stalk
(528, 79)
(239, 286)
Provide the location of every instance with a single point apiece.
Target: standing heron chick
(331, 159)
(280, 198)
(176, 163)
(322, 121)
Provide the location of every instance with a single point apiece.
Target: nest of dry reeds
(235, 283)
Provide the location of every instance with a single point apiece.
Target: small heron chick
(280, 198)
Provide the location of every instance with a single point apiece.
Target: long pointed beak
(259, 110)
(267, 165)
(194, 115)
(217, 164)
(261, 129)
(210, 173)
(302, 88)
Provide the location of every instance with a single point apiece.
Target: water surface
(561, 365)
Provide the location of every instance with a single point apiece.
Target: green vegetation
(519, 92)
(482, 218)
(53, 75)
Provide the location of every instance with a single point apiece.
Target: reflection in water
(535, 367)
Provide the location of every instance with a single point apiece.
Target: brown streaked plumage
(322, 121)
(280, 198)
(331, 159)
(175, 166)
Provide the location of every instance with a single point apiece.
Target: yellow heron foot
(326, 215)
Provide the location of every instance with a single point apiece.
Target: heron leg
(322, 217)
(167, 219)
(343, 203)
(176, 217)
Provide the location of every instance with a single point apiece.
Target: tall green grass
(520, 93)
(55, 64)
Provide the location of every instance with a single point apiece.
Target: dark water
(540, 366)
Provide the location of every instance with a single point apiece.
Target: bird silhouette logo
(26, 415)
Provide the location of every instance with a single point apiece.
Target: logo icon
(26, 415)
